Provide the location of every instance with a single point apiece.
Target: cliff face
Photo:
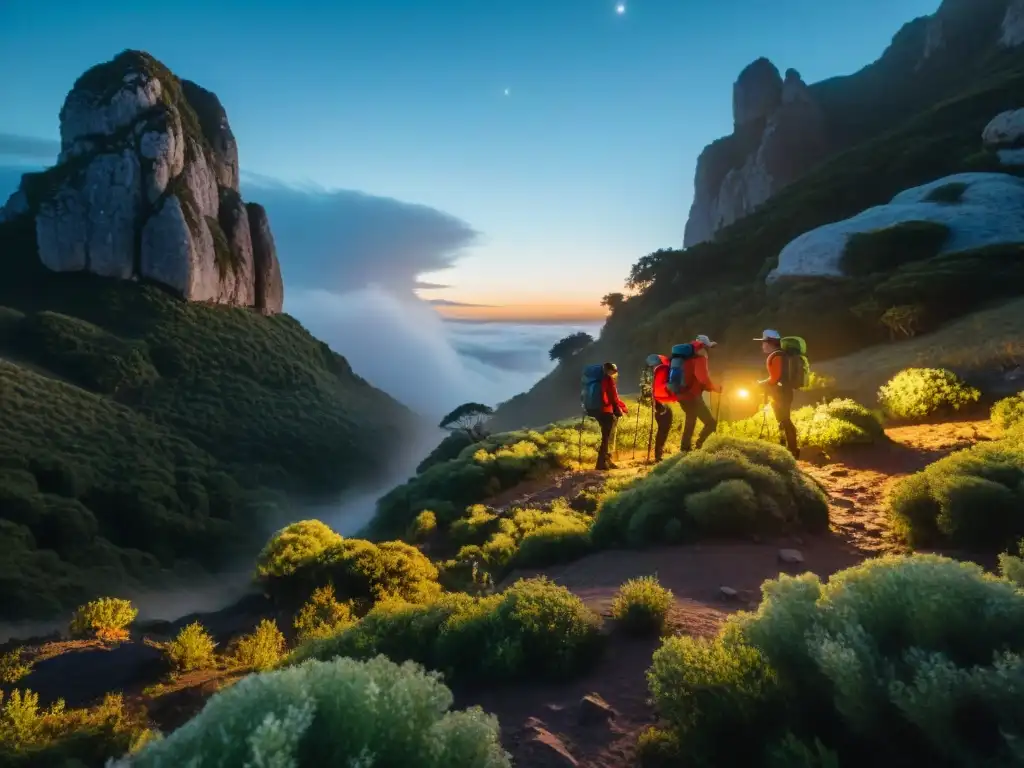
(147, 187)
(784, 128)
(779, 134)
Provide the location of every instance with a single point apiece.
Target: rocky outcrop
(978, 209)
(779, 134)
(775, 142)
(269, 292)
(146, 187)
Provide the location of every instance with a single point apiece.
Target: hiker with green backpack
(788, 371)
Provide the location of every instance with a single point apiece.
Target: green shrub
(191, 649)
(58, 737)
(422, 527)
(971, 499)
(762, 491)
(657, 748)
(886, 249)
(642, 605)
(449, 448)
(474, 527)
(13, 667)
(107, 618)
(260, 650)
(308, 554)
(1009, 412)
(341, 712)
(322, 615)
(527, 538)
(534, 629)
(1011, 567)
(898, 656)
(921, 393)
(947, 193)
(827, 425)
(482, 470)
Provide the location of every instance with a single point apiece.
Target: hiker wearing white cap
(777, 389)
(691, 399)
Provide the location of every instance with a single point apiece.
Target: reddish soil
(545, 725)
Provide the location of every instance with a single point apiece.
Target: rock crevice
(147, 187)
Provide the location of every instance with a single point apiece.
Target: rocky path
(593, 721)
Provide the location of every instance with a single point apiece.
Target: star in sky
(508, 91)
(620, 8)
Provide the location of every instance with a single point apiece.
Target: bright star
(620, 8)
(507, 91)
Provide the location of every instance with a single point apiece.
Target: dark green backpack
(796, 369)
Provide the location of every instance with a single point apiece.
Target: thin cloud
(450, 303)
(344, 240)
(29, 148)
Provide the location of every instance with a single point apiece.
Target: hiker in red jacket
(608, 417)
(663, 400)
(692, 398)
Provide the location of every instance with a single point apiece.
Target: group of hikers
(683, 377)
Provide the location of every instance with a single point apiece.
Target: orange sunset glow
(540, 312)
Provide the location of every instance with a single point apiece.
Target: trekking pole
(583, 419)
(650, 432)
(636, 428)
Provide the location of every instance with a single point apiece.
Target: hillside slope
(142, 432)
(718, 287)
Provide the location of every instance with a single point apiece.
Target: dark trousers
(663, 418)
(782, 407)
(607, 422)
(696, 409)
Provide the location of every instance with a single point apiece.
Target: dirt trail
(542, 724)
(857, 481)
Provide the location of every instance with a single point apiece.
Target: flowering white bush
(337, 713)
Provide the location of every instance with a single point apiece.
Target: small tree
(571, 345)
(613, 301)
(468, 418)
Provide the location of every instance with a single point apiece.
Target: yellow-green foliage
(474, 527)
(1009, 412)
(12, 667)
(190, 410)
(191, 649)
(308, 554)
(260, 650)
(479, 472)
(827, 425)
(1011, 567)
(921, 393)
(884, 661)
(642, 605)
(57, 736)
(422, 527)
(107, 618)
(341, 712)
(526, 538)
(322, 615)
(534, 629)
(973, 499)
(733, 487)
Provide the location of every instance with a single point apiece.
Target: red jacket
(696, 372)
(659, 382)
(611, 395)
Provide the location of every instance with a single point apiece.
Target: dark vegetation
(143, 433)
(883, 250)
(570, 346)
(904, 129)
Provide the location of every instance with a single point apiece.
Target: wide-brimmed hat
(769, 335)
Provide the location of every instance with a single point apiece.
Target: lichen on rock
(138, 191)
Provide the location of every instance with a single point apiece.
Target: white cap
(769, 335)
(706, 341)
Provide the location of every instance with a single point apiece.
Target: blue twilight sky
(585, 165)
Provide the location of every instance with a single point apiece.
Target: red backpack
(660, 383)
